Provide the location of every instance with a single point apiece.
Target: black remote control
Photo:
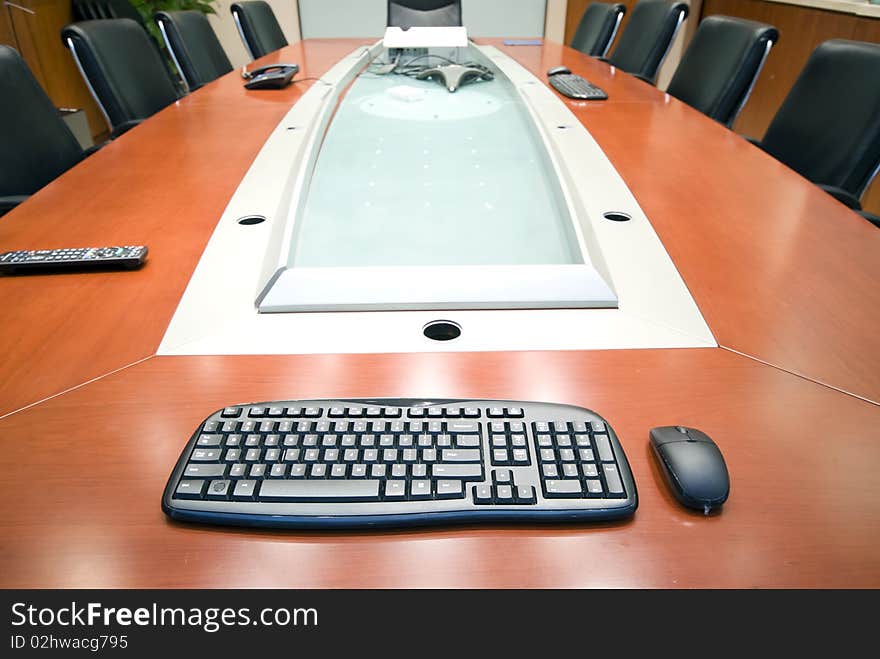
(43, 260)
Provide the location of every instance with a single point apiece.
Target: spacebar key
(320, 490)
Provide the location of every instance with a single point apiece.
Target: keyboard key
(520, 456)
(244, 489)
(237, 471)
(278, 471)
(318, 471)
(419, 470)
(504, 494)
(337, 471)
(590, 470)
(526, 494)
(495, 412)
(205, 455)
(499, 456)
(462, 455)
(471, 412)
(467, 441)
(503, 477)
(420, 489)
(565, 489)
(204, 470)
(218, 489)
(209, 440)
(603, 445)
(550, 470)
(462, 471)
(463, 427)
(359, 471)
(352, 490)
(231, 413)
(482, 494)
(594, 488)
(189, 489)
(515, 412)
(257, 471)
(398, 471)
(450, 490)
(612, 479)
(378, 471)
(298, 471)
(395, 489)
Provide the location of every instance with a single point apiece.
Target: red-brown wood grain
(164, 184)
(86, 472)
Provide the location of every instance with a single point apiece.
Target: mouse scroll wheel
(682, 430)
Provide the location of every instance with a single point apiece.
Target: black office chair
(193, 46)
(424, 13)
(122, 70)
(828, 128)
(647, 37)
(37, 144)
(721, 65)
(597, 28)
(97, 10)
(258, 27)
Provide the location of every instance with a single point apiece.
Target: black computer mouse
(556, 70)
(693, 467)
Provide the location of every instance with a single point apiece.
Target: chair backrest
(597, 28)
(721, 65)
(258, 27)
(96, 10)
(194, 47)
(648, 36)
(424, 13)
(121, 67)
(37, 144)
(828, 128)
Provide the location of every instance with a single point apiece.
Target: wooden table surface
(91, 422)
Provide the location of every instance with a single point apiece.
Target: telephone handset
(274, 76)
(270, 68)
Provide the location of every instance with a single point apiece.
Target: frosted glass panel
(366, 18)
(410, 174)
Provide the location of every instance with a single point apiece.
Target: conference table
(92, 420)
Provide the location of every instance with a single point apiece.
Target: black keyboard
(576, 87)
(399, 462)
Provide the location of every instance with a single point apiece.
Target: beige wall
(285, 11)
(554, 28)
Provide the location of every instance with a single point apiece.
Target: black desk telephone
(274, 76)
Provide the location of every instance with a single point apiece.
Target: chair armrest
(601, 58)
(873, 219)
(124, 128)
(842, 196)
(8, 203)
(644, 79)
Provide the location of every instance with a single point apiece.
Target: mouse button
(695, 435)
(699, 469)
(666, 435)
